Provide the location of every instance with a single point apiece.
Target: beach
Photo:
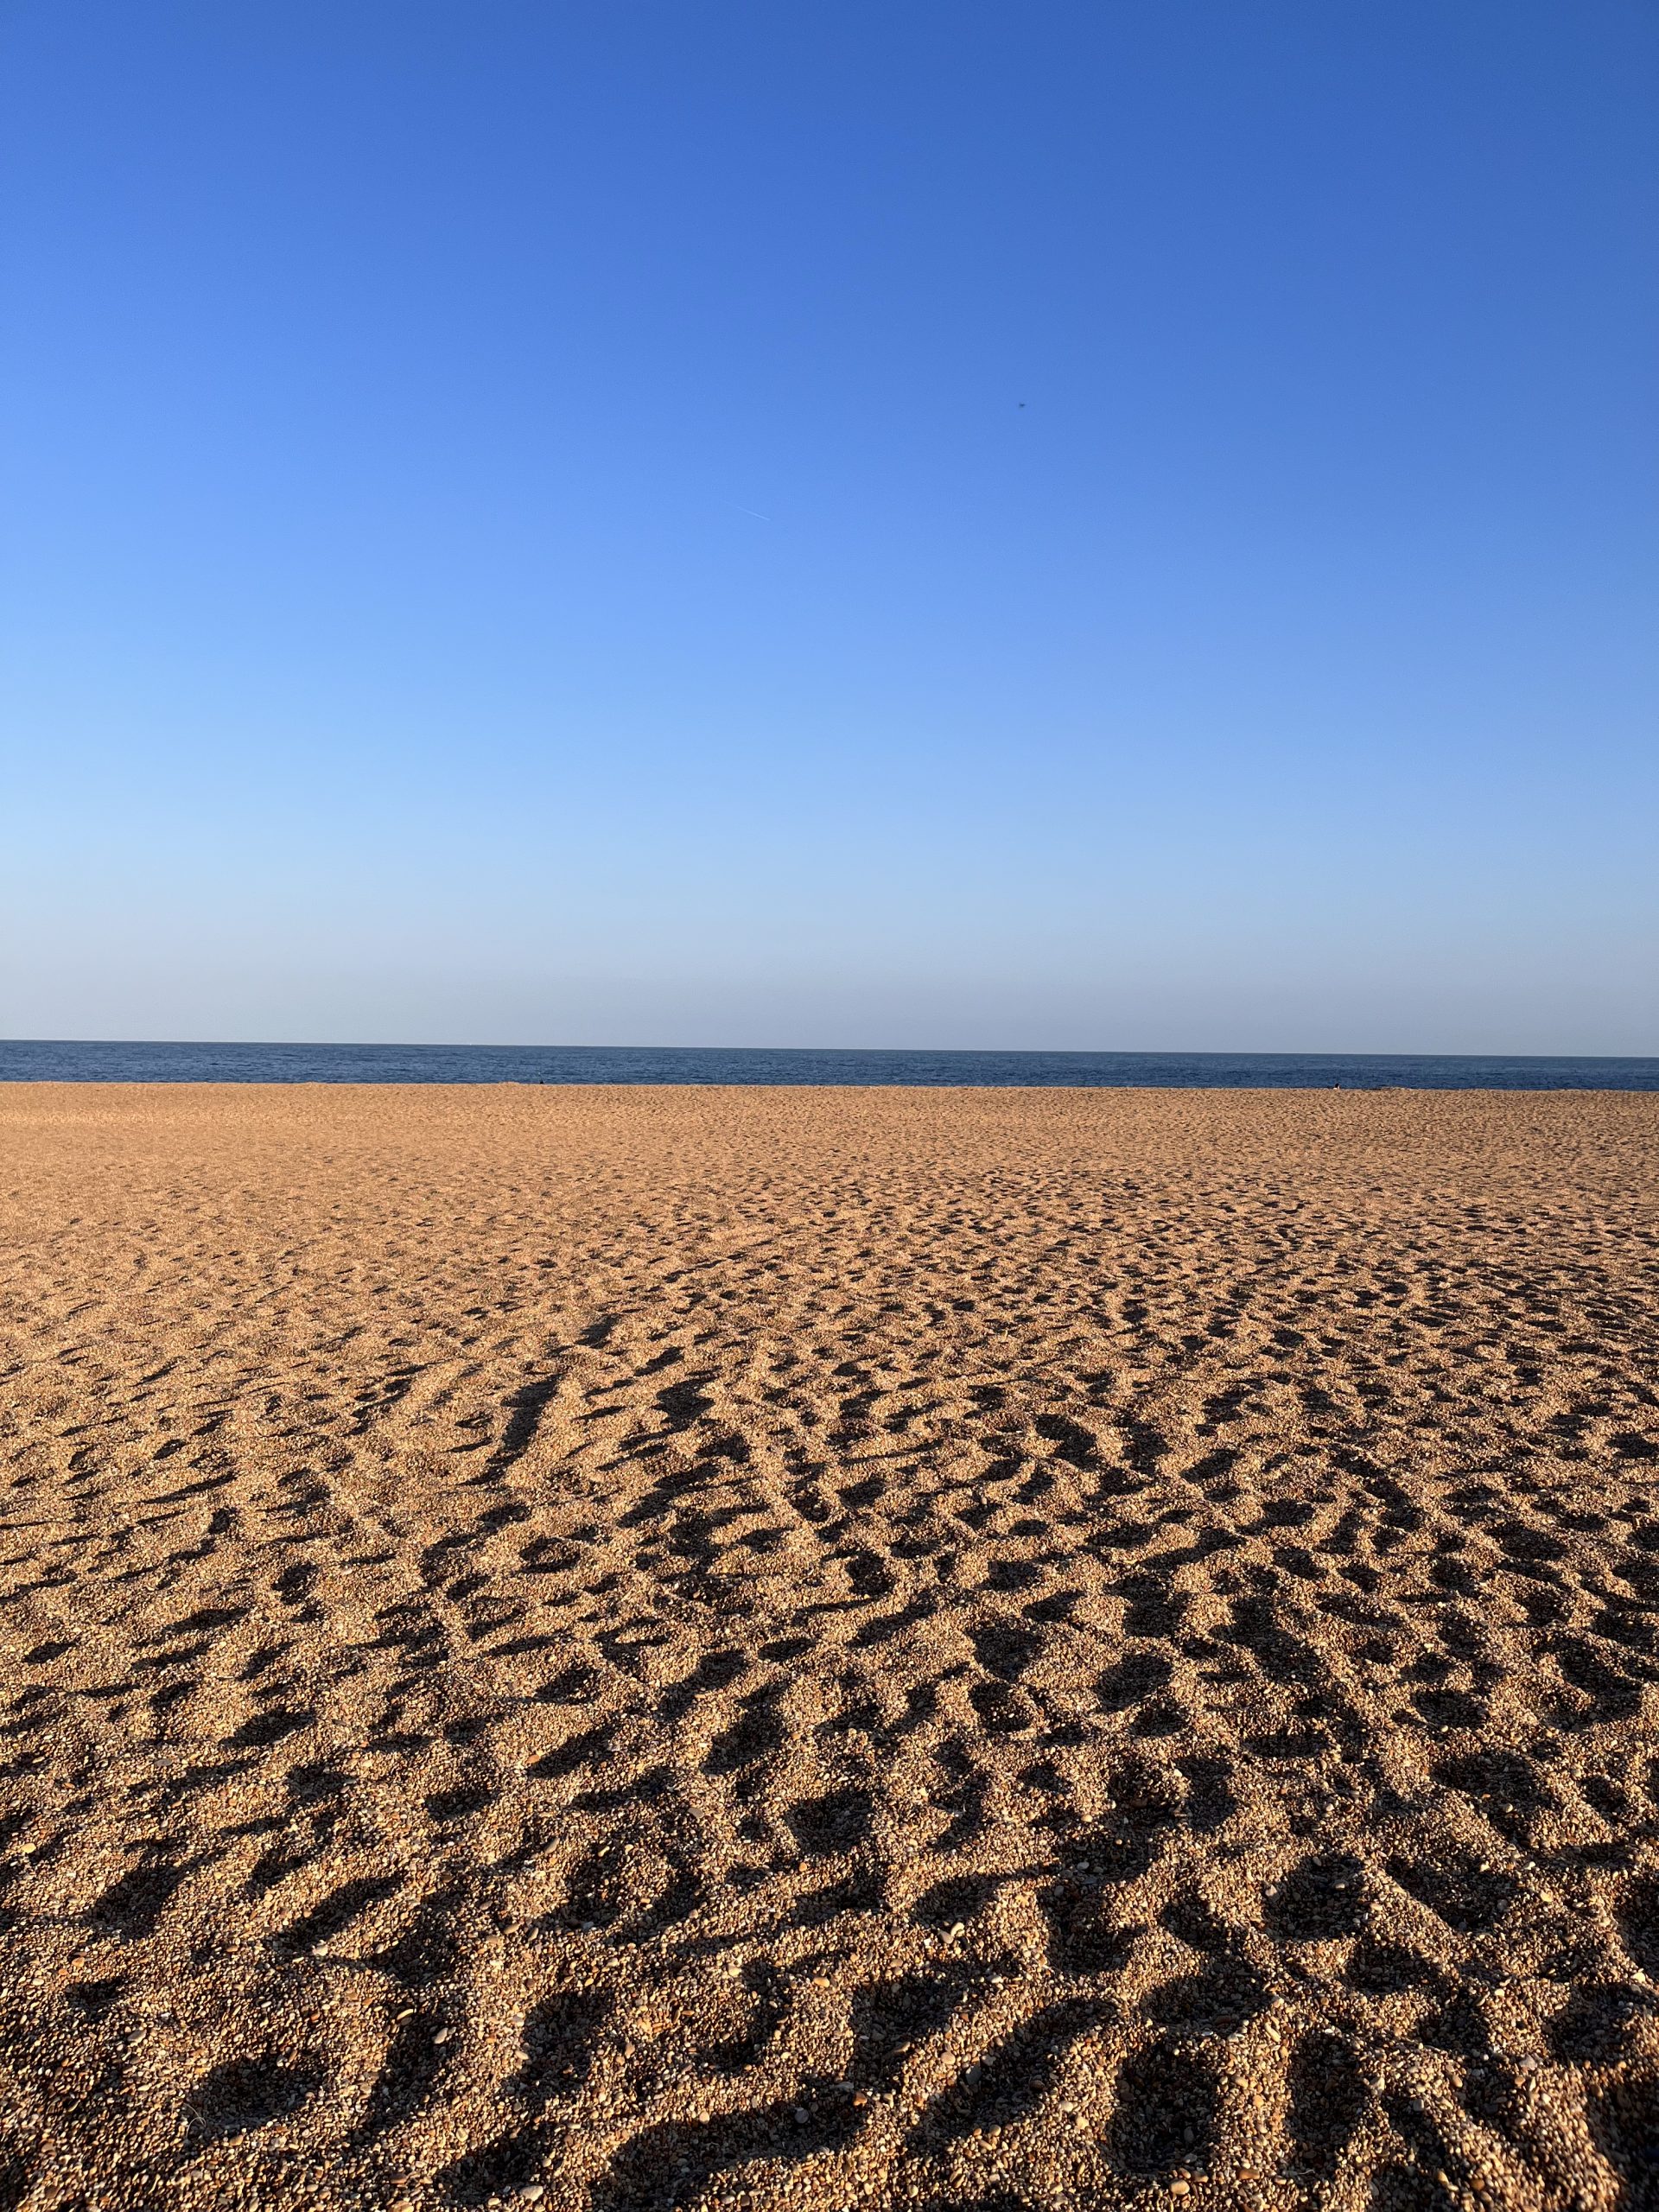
(993, 1650)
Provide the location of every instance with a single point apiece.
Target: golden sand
(823, 1648)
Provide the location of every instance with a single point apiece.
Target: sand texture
(984, 1649)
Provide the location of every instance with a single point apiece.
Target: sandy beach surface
(983, 1650)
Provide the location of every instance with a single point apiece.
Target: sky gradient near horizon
(942, 524)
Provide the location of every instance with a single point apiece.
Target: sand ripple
(973, 1650)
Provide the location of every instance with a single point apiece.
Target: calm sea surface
(90, 1063)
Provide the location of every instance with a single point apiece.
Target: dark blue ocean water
(90, 1063)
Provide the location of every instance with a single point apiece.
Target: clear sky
(892, 522)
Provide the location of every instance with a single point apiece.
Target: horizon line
(895, 1052)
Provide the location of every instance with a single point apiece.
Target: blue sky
(519, 523)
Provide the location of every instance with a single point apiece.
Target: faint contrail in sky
(755, 511)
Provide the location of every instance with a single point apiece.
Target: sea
(35, 1061)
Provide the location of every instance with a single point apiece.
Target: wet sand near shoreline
(991, 1650)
